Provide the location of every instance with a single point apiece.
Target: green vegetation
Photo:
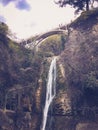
(92, 80)
(18, 66)
(77, 4)
(22, 68)
(53, 45)
(90, 13)
(3, 29)
(86, 17)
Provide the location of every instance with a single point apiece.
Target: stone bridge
(53, 32)
(43, 36)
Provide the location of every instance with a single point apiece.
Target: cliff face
(80, 60)
(23, 79)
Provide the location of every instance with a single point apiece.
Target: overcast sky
(26, 18)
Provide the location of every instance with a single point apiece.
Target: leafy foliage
(53, 45)
(78, 4)
(17, 66)
(86, 17)
(3, 29)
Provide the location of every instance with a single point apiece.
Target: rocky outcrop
(87, 126)
(62, 104)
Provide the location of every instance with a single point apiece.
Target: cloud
(6, 2)
(20, 4)
(2, 19)
(43, 16)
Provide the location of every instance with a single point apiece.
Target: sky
(26, 18)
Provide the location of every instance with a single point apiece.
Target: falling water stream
(50, 91)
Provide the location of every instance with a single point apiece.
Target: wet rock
(87, 126)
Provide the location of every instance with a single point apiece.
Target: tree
(3, 28)
(78, 4)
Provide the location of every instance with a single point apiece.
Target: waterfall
(50, 91)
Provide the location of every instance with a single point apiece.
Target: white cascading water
(50, 91)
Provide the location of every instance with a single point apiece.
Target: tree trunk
(87, 5)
